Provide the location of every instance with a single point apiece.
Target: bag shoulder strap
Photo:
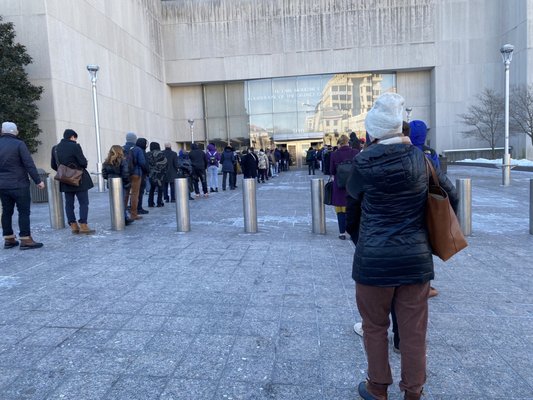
(55, 155)
(431, 170)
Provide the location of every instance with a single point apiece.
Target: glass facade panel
(304, 110)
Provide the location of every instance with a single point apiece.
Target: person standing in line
(310, 160)
(142, 143)
(157, 164)
(68, 152)
(15, 166)
(213, 159)
(249, 164)
(199, 165)
(277, 160)
(343, 153)
(393, 262)
(262, 165)
(172, 173)
(227, 159)
(116, 166)
(136, 166)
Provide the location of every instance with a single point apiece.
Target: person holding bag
(393, 263)
(69, 153)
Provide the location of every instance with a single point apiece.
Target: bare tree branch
(521, 110)
(485, 118)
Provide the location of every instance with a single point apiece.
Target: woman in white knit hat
(393, 261)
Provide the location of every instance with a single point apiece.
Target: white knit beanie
(9, 127)
(386, 116)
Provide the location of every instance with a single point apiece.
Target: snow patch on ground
(498, 161)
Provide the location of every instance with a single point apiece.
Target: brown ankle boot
(412, 396)
(74, 228)
(84, 228)
(26, 243)
(10, 241)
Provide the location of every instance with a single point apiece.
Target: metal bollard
(531, 206)
(318, 209)
(116, 204)
(55, 204)
(464, 211)
(249, 205)
(183, 219)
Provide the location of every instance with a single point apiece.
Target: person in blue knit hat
(419, 132)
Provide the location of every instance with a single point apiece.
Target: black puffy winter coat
(386, 215)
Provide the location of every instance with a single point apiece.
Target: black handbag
(328, 193)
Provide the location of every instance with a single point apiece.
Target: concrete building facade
(271, 72)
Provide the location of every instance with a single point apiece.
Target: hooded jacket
(212, 153)
(418, 134)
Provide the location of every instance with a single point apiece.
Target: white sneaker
(358, 328)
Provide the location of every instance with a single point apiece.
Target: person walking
(15, 166)
(393, 263)
(136, 166)
(213, 159)
(344, 153)
(172, 173)
(199, 165)
(227, 159)
(157, 165)
(68, 152)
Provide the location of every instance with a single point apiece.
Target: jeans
(22, 199)
(232, 179)
(411, 307)
(212, 177)
(172, 191)
(83, 200)
(311, 168)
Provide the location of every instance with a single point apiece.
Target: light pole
(93, 69)
(191, 123)
(408, 111)
(507, 56)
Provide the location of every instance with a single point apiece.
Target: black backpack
(344, 169)
(212, 158)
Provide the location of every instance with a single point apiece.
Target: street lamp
(93, 69)
(507, 56)
(191, 123)
(408, 111)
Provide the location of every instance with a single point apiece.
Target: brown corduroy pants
(411, 306)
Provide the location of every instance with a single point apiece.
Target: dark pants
(262, 175)
(341, 220)
(172, 191)
(311, 167)
(22, 199)
(411, 307)
(153, 186)
(232, 179)
(83, 200)
(142, 188)
(199, 174)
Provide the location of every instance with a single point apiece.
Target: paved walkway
(150, 313)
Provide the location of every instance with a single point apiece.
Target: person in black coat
(68, 152)
(249, 164)
(15, 166)
(199, 165)
(172, 173)
(116, 166)
(393, 263)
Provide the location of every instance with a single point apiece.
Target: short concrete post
(116, 204)
(318, 209)
(249, 205)
(183, 219)
(55, 204)
(531, 206)
(464, 210)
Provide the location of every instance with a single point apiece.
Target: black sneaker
(143, 211)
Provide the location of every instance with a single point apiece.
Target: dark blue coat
(228, 160)
(16, 163)
(386, 215)
(69, 153)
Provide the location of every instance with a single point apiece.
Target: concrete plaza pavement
(150, 313)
